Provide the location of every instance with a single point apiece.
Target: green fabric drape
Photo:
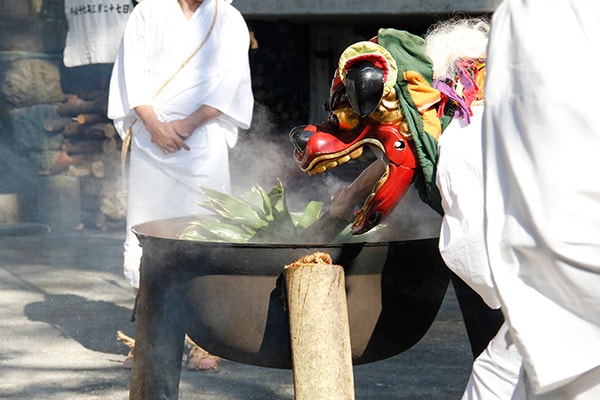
(408, 51)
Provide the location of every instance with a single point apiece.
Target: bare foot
(200, 359)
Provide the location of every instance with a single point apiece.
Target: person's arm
(171, 136)
(163, 134)
(185, 127)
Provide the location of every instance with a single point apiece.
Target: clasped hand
(170, 136)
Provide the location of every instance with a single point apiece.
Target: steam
(264, 154)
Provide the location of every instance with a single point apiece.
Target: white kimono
(542, 189)
(459, 178)
(157, 40)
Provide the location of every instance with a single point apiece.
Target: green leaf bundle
(257, 216)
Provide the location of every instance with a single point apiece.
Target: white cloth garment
(541, 141)
(459, 178)
(94, 30)
(497, 372)
(156, 194)
(157, 40)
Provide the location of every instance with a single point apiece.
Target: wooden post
(319, 329)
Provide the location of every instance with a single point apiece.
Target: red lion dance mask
(383, 96)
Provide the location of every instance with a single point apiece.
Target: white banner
(95, 28)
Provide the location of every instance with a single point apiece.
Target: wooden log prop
(109, 131)
(89, 153)
(319, 329)
(57, 124)
(100, 95)
(63, 161)
(97, 168)
(84, 146)
(90, 118)
(94, 131)
(73, 128)
(74, 105)
(78, 171)
(114, 206)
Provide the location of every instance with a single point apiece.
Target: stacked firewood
(91, 152)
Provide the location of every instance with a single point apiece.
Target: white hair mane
(449, 41)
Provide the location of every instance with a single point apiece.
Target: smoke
(411, 219)
(264, 154)
(260, 156)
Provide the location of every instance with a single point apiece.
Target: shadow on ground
(82, 320)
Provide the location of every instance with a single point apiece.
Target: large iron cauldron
(230, 298)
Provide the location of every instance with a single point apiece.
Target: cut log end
(315, 258)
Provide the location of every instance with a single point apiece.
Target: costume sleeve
(233, 94)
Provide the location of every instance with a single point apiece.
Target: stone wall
(51, 172)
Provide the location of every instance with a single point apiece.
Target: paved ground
(62, 300)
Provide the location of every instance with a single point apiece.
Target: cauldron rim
(169, 229)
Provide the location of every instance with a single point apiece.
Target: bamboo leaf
(266, 202)
(256, 216)
(213, 229)
(254, 198)
(233, 208)
(310, 215)
(282, 218)
(276, 196)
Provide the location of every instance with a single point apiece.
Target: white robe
(157, 40)
(459, 178)
(541, 163)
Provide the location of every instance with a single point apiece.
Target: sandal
(200, 359)
(130, 342)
